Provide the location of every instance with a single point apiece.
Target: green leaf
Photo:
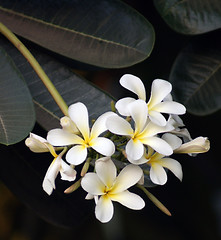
(196, 75)
(17, 116)
(72, 87)
(99, 32)
(190, 16)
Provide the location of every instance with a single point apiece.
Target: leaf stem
(36, 66)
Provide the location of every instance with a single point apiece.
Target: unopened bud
(197, 145)
(36, 143)
(68, 125)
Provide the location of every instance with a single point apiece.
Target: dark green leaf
(98, 32)
(17, 116)
(196, 75)
(190, 16)
(72, 88)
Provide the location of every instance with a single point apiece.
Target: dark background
(195, 203)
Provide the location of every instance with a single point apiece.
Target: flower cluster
(124, 150)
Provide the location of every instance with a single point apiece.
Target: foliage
(105, 34)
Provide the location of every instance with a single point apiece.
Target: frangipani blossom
(77, 154)
(144, 133)
(105, 186)
(39, 144)
(58, 165)
(157, 103)
(158, 162)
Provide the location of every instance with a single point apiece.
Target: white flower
(58, 165)
(158, 102)
(197, 145)
(106, 187)
(145, 131)
(78, 153)
(178, 124)
(158, 162)
(37, 144)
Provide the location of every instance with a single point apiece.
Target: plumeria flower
(105, 186)
(158, 162)
(144, 133)
(89, 138)
(58, 165)
(39, 144)
(197, 145)
(158, 102)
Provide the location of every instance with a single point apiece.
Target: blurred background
(195, 203)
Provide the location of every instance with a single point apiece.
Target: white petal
(173, 165)
(172, 139)
(134, 149)
(134, 84)
(157, 118)
(92, 184)
(103, 145)
(178, 120)
(89, 196)
(128, 199)
(60, 137)
(96, 199)
(138, 111)
(99, 125)
(119, 126)
(152, 129)
(39, 138)
(104, 209)
(79, 115)
(159, 90)
(50, 176)
(158, 174)
(76, 155)
(170, 107)
(122, 105)
(67, 172)
(140, 161)
(184, 133)
(168, 97)
(106, 171)
(128, 177)
(48, 186)
(159, 145)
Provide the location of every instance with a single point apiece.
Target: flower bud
(68, 125)
(36, 143)
(197, 145)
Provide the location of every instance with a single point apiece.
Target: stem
(73, 187)
(85, 167)
(155, 200)
(36, 66)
